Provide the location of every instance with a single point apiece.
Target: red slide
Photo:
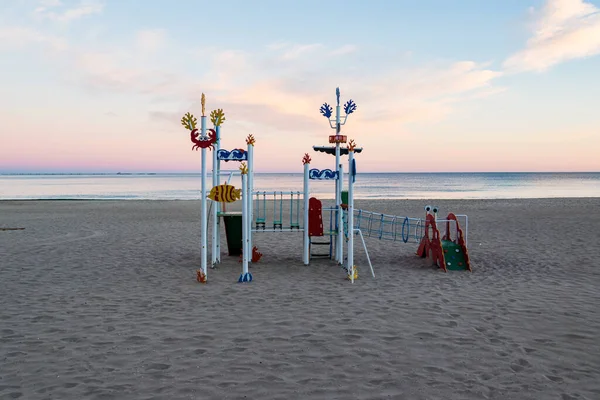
(315, 217)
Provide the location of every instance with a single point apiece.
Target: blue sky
(441, 86)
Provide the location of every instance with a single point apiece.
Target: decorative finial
(189, 121)
(351, 145)
(337, 94)
(217, 117)
(349, 107)
(243, 168)
(306, 159)
(250, 140)
(326, 110)
(203, 101)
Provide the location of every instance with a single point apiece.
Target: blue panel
(233, 155)
(324, 174)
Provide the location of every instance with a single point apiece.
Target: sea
(186, 186)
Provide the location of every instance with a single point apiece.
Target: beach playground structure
(262, 211)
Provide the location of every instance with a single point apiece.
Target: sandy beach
(99, 301)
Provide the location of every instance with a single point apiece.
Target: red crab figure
(203, 143)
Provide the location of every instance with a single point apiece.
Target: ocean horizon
(376, 185)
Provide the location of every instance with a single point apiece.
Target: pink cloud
(56, 11)
(563, 30)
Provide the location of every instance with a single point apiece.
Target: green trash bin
(233, 231)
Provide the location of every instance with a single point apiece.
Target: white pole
(350, 216)
(218, 208)
(215, 206)
(340, 237)
(245, 276)
(203, 230)
(249, 194)
(338, 186)
(366, 251)
(306, 255)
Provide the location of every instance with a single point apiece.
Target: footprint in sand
(449, 324)
(426, 335)
(434, 370)
(520, 365)
(565, 396)
(158, 366)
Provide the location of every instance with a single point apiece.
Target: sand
(98, 300)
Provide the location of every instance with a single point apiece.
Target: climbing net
(394, 227)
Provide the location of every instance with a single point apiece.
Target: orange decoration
(250, 140)
(306, 159)
(351, 145)
(200, 276)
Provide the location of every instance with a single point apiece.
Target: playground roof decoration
(331, 150)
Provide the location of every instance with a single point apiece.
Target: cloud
(346, 49)
(56, 11)
(150, 40)
(563, 30)
(278, 89)
(299, 50)
(18, 36)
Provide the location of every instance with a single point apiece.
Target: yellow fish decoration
(225, 193)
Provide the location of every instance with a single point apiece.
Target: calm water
(368, 186)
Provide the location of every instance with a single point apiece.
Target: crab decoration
(203, 142)
(256, 255)
(190, 122)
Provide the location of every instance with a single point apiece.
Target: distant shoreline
(287, 173)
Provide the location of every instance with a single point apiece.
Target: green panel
(344, 197)
(454, 256)
(233, 231)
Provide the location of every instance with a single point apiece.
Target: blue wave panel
(323, 174)
(233, 155)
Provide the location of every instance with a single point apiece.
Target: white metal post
(340, 218)
(245, 275)
(338, 186)
(350, 216)
(203, 229)
(306, 249)
(249, 193)
(218, 218)
(215, 256)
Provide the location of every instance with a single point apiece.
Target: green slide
(453, 256)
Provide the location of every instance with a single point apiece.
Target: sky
(441, 86)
